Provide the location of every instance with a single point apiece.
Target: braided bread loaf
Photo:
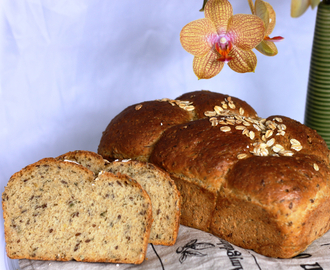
(262, 184)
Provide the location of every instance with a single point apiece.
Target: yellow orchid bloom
(222, 37)
(298, 7)
(266, 12)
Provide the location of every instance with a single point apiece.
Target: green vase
(317, 113)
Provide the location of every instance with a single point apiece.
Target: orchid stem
(204, 3)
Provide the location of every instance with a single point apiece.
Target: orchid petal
(246, 31)
(267, 47)
(243, 61)
(219, 12)
(196, 36)
(262, 12)
(315, 3)
(272, 19)
(298, 7)
(207, 66)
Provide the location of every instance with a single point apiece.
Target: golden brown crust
(194, 213)
(199, 152)
(311, 142)
(256, 207)
(280, 203)
(133, 132)
(206, 100)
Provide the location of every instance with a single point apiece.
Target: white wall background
(68, 67)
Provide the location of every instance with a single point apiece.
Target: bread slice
(164, 196)
(56, 210)
(88, 159)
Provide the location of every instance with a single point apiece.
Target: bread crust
(206, 100)
(133, 132)
(281, 204)
(88, 159)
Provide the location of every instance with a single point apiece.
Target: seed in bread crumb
(138, 107)
(316, 167)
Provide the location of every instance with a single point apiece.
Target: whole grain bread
(164, 196)
(133, 133)
(56, 210)
(205, 101)
(205, 157)
(91, 160)
(276, 206)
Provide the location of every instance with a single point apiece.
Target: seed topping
(242, 156)
(225, 129)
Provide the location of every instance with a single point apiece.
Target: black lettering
(314, 266)
(302, 256)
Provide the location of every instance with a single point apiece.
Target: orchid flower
(266, 12)
(298, 7)
(222, 37)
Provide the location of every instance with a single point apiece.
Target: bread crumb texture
(164, 196)
(56, 210)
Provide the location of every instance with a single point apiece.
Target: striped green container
(317, 113)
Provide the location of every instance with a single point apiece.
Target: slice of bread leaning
(164, 196)
(56, 210)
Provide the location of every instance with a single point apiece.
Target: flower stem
(204, 3)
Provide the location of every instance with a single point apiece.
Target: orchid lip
(224, 47)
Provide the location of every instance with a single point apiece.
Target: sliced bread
(88, 159)
(55, 210)
(164, 196)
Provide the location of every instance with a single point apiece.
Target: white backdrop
(68, 67)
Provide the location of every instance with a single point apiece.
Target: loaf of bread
(57, 210)
(260, 183)
(165, 198)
